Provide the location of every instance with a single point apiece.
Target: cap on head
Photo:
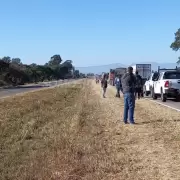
(130, 69)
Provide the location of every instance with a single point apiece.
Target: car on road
(149, 83)
(166, 85)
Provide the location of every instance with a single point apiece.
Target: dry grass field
(72, 133)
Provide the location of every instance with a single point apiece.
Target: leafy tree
(81, 75)
(76, 74)
(55, 60)
(6, 59)
(70, 69)
(176, 44)
(16, 61)
(15, 76)
(68, 64)
(33, 65)
(13, 71)
(3, 65)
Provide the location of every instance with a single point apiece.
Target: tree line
(14, 72)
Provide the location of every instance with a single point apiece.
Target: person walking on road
(138, 87)
(128, 81)
(118, 85)
(104, 85)
(97, 79)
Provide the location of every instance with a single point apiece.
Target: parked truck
(114, 72)
(111, 77)
(164, 83)
(167, 84)
(147, 88)
(144, 70)
(120, 71)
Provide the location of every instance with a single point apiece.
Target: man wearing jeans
(128, 81)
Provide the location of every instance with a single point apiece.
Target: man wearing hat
(128, 81)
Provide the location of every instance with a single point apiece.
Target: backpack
(118, 82)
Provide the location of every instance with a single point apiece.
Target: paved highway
(171, 103)
(25, 88)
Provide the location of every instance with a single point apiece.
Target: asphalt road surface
(171, 103)
(25, 88)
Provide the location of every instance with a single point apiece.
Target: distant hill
(106, 68)
(99, 69)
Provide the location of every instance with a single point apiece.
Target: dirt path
(148, 150)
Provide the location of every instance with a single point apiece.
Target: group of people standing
(131, 87)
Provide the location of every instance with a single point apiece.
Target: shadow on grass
(158, 120)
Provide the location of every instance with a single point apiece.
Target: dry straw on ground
(71, 132)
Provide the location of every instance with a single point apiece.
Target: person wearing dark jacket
(128, 81)
(138, 88)
(104, 84)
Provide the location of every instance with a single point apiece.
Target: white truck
(144, 70)
(149, 83)
(166, 85)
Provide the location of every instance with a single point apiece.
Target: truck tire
(178, 98)
(153, 95)
(145, 92)
(163, 96)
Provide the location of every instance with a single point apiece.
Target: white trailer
(144, 70)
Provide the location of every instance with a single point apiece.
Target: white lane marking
(163, 104)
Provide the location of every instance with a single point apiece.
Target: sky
(89, 32)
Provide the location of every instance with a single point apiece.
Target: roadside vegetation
(38, 133)
(72, 133)
(14, 72)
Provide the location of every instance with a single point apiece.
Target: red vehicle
(111, 77)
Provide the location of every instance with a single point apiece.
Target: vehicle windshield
(155, 76)
(171, 75)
